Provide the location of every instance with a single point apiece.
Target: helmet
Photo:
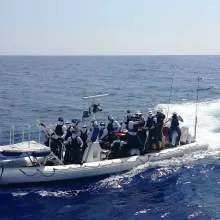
(128, 111)
(138, 113)
(74, 121)
(110, 117)
(67, 122)
(159, 110)
(60, 119)
(102, 124)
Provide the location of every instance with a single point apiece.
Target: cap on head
(110, 117)
(60, 119)
(174, 113)
(84, 126)
(128, 111)
(102, 124)
(67, 122)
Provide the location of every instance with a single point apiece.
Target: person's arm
(80, 141)
(68, 141)
(180, 118)
(168, 120)
(64, 129)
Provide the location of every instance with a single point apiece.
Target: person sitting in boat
(113, 127)
(94, 131)
(74, 149)
(58, 136)
(127, 118)
(174, 126)
(103, 136)
(116, 148)
(132, 138)
(152, 131)
(84, 136)
(160, 122)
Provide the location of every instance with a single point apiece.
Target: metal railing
(12, 136)
(29, 134)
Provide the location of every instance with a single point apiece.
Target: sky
(109, 27)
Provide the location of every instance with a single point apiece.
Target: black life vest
(150, 122)
(74, 143)
(84, 136)
(68, 133)
(101, 132)
(160, 117)
(128, 119)
(59, 130)
(135, 128)
(174, 122)
(110, 127)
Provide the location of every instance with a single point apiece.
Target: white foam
(208, 119)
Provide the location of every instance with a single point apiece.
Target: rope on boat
(2, 167)
(29, 174)
(54, 170)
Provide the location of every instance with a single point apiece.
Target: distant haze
(109, 27)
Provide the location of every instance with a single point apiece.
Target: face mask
(73, 136)
(60, 123)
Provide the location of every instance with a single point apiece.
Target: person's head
(60, 121)
(128, 113)
(110, 118)
(102, 125)
(67, 123)
(174, 114)
(150, 114)
(94, 122)
(74, 123)
(159, 111)
(84, 128)
(74, 134)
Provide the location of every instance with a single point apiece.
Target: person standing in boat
(132, 138)
(84, 136)
(58, 137)
(152, 130)
(127, 118)
(113, 127)
(160, 122)
(103, 132)
(116, 148)
(74, 149)
(75, 125)
(94, 131)
(68, 130)
(174, 126)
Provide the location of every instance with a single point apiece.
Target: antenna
(171, 88)
(197, 99)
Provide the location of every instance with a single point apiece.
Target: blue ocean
(47, 88)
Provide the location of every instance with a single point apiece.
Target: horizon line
(104, 55)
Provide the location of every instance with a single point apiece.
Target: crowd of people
(134, 132)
